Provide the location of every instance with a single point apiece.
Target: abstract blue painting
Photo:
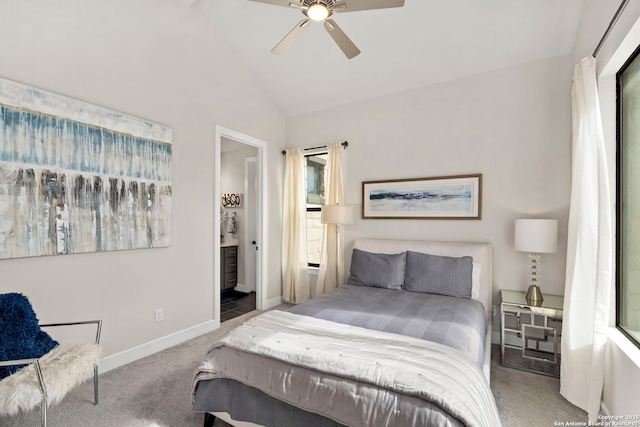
(451, 197)
(76, 178)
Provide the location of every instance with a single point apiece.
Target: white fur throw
(63, 368)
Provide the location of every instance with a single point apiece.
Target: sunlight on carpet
(145, 423)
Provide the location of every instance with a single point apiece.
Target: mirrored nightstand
(530, 335)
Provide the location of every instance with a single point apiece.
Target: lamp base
(534, 296)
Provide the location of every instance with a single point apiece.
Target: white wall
(160, 60)
(512, 125)
(622, 360)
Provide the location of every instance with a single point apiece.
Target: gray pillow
(377, 270)
(435, 274)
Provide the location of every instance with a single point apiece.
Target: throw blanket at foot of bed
(356, 376)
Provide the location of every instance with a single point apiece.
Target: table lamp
(536, 236)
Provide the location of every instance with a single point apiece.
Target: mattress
(455, 322)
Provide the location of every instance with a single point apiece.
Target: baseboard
(272, 303)
(604, 410)
(242, 287)
(131, 355)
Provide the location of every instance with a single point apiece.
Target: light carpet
(156, 392)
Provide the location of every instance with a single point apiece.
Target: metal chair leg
(95, 385)
(44, 412)
(43, 391)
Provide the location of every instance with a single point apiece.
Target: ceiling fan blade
(285, 3)
(356, 5)
(341, 39)
(290, 38)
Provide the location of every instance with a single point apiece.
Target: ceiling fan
(321, 10)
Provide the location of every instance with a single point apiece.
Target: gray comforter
(455, 322)
(356, 376)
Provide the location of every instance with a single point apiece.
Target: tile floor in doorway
(237, 307)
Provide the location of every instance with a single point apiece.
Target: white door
(251, 212)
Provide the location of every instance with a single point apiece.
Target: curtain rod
(610, 27)
(344, 144)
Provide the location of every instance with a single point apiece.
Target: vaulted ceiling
(422, 43)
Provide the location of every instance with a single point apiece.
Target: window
(628, 199)
(316, 185)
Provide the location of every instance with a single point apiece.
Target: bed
(387, 348)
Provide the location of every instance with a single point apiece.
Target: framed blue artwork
(77, 178)
(443, 197)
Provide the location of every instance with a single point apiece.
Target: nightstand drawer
(512, 320)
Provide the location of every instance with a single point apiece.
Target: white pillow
(475, 280)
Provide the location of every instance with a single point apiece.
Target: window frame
(313, 264)
(314, 209)
(620, 199)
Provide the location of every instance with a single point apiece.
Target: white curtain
(295, 278)
(335, 195)
(589, 273)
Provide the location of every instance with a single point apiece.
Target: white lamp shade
(536, 235)
(338, 214)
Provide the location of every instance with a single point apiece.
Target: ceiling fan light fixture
(318, 12)
(321, 10)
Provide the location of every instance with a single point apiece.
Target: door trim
(262, 196)
(248, 239)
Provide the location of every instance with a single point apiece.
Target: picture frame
(441, 197)
(79, 178)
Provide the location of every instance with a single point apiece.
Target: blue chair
(35, 370)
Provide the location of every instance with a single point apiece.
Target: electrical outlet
(159, 315)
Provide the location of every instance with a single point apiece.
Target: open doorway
(238, 224)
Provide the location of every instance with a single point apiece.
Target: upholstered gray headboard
(480, 252)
